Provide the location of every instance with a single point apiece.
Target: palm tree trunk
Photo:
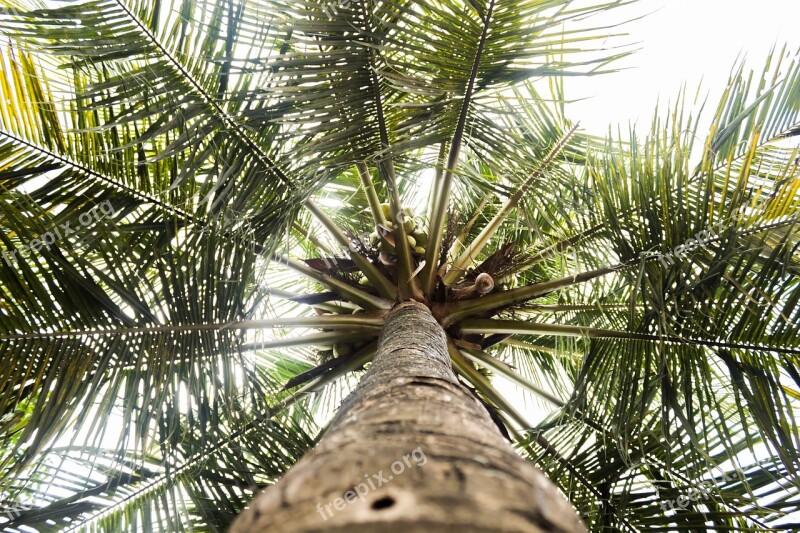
(411, 450)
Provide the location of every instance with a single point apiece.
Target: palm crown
(234, 174)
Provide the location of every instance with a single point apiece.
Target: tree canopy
(188, 192)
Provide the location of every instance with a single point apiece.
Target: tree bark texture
(411, 450)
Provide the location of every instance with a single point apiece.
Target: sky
(680, 41)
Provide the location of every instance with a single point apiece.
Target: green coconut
(421, 237)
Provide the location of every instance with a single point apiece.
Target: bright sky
(681, 41)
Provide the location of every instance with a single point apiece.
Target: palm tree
(238, 233)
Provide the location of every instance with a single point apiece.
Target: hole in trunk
(383, 503)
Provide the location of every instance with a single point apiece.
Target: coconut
(421, 237)
(340, 350)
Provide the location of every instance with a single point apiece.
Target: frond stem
(437, 221)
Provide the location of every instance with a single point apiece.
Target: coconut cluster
(384, 239)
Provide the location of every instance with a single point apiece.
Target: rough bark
(411, 450)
